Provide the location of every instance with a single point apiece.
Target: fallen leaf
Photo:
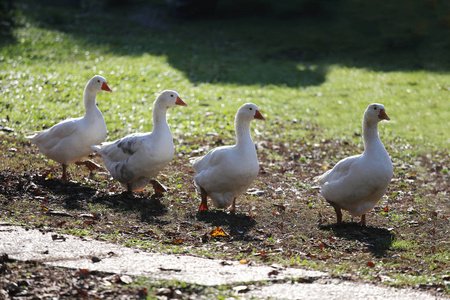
(281, 207)
(386, 209)
(273, 273)
(44, 207)
(177, 241)
(241, 289)
(8, 210)
(84, 271)
(143, 293)
(60, 223)
(58, 237)
(251, 215)
(126, 279)
(218, 232)
(90, 216)
(243, 261)
(58, 213)
(262, 253)
(370, 264)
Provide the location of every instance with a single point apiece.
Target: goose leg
(64, 172)
(363, 220)
(204, 204)
(233, 206)
(90, 165)
(338, 211)
(129, 189)
(158, 187)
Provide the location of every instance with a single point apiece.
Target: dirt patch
(281, 220)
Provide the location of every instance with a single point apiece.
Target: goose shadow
(75, 196)
(149, 207)
(73, 193)
(377, 240)
(238, 224)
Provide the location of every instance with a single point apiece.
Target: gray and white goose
(136, 159)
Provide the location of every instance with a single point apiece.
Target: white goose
(356, 183)
(70, 140)
(135, 159)
(226, 172)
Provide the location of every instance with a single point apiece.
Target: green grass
(314, 76)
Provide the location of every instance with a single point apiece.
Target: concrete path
(74, 252)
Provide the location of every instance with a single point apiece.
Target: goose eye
(171, 95)
(375, 107)
(251, 108)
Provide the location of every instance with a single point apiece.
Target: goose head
(375, 113)
(97, 84)
(249, 111)
(168, 99)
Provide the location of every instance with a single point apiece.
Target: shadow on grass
(267, 42)
(73, 193)
(377, 240)
(148, 207)
(238, 224)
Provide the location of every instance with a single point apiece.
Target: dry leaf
(60, 223)
(84, 271)
(218, 232)
(262, 254)
(126, 279)
(370, 264)
(243, 261)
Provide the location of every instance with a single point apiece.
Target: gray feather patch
(126, 146)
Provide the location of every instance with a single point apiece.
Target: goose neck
(242, 128)
(159, 117)
(89, 101)
(372, 140)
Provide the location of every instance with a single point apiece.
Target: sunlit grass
(44, 73)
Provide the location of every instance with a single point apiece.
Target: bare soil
(282, 219)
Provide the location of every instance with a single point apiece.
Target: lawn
(311, 69)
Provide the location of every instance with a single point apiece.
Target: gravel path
(79, 253)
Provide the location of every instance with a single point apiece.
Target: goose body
(226, 172)
(137, 158)
(71, 140)
(356, 183)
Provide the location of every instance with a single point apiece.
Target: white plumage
(70, 140)
(137, 158)
(356, 183)
(226, 172)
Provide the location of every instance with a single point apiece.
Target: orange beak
(259, 116)
(105, 87)
(382, 115)
(180, 102)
